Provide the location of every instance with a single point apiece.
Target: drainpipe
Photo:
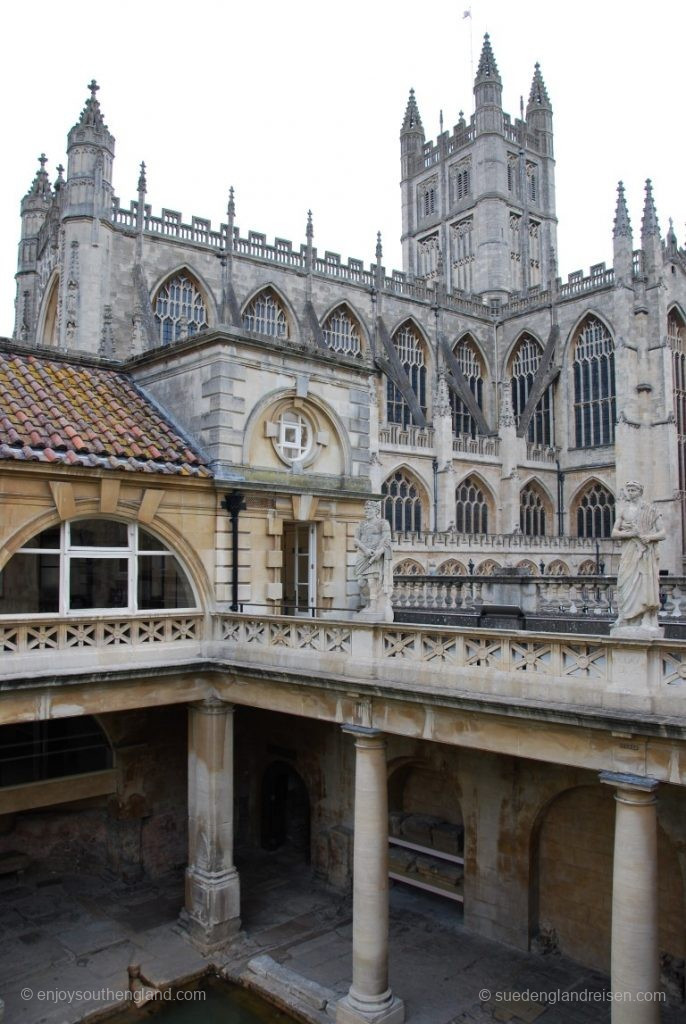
(560, 500)
(234, 503)
(435, 469)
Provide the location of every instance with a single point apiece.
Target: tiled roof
(80, 415)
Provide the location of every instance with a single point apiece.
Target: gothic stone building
(192, 421)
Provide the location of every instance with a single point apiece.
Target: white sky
(299, 104)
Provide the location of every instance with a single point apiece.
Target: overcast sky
(299, 104)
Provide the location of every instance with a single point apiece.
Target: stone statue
(639, 526)
(373, 568)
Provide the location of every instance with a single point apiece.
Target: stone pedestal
(212, 911)
(635, 966)
(370, 1000)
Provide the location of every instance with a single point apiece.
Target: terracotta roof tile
(53, 411)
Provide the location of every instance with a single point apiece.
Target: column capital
(365, 736)
(638, 789)
(212, 705)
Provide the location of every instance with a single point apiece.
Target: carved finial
(487, 65)
(91, 114)
(94, 87)
(622, 226)
(59, 180)
(538, 96)
(231, 208)
(649, 224)
(461, 121)
(42, 160)
(40, 186)
(672, 244)
(412, 121)
(379, 247)
(309, 229)
(142, 180)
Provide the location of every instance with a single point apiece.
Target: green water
(223, 1004)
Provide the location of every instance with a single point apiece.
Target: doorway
(285, 810)
(299, 568)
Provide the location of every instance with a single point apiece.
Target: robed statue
(639, 526)
(373, 568)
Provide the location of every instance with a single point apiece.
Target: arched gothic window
(451, 567)
(93, 565)
(594, 385)
(472, 369)
(410, 349)
(471, 507)
(342, 333)
(676, 337)
(557, 568)
(523, 368)
(408, 567)
(402, 503)
(180, 309)
(264, 314)
(531, 512)
(595, 513)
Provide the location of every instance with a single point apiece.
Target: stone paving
(79, 933)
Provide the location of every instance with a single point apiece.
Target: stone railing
(463, 444)
(410, 436)
(465, 543)
(593, 672)
(541, 453)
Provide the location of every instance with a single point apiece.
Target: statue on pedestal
(373, 568)
(639, 526)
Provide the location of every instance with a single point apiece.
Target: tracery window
(532, 180)
(472, 369)
(523, 369)
(594, 385)
(451, 567)
(462, 254)
(408, 567)
(531, 512)
(557, 568)
(512, 162)
(428, 250)
(180, 309)
(676, 338)
(488, 567)
(402, 505)
(264, 314)
(342, 333)
(410, 351)
(460, 181)
(595, 513)
(427, 195)
(471, 507)
(534, 253)
(515, 252)
(93, 564)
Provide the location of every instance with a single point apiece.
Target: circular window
(294, 438)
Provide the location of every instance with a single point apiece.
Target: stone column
(212, 908)
(634, 957)
(370, 1000)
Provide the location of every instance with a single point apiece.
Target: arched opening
(285, 810)
(471, 507)
(595, 511)
(265, 314)
(342, 332)
(573, 854)
(523, 367)
(557, 568)
(411, 353)
(408, 567)
(593, 368)
(180, 308)
(473, 370)
(534, 511)
(402, 504)
(451, 567)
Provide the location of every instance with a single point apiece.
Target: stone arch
(281, 395)
(592, 509)
(474, 505)
(572, 858)
(536, 509)
(168, 313)
(489, 567)
(451, 567)
(591, 356)
(587, 567)
(409, 567)
(557, 568)
(414, 352)
(474, 366)
(347, 307)
(566, 353)
(48, 323)
(406, 501)
(522, 365)
(271, 292)
(531, 567)
(425, 805)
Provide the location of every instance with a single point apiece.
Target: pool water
(223, 1004)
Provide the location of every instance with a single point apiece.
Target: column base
(213, 906)
(352, 1010)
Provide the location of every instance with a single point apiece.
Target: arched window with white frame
(471, 364)
(595, 512)
(265, 314)
(593, 368)
(342, 332)
(411, 353)
(91, 565)
(402, 505)
(524, 365)
(471, 507)
(180, 308)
